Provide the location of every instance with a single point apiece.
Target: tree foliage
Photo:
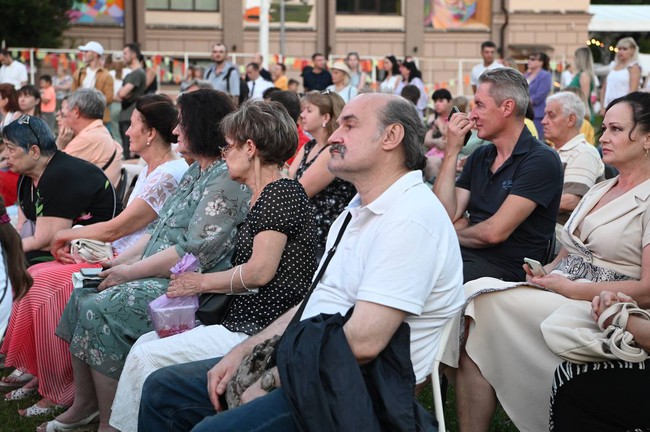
(34, 23)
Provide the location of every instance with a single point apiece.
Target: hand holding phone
(536, 268)
(455, 110)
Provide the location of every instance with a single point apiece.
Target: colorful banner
(445, 14)
(103, 12)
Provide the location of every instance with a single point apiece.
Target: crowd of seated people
(259, 227)
(41, 360)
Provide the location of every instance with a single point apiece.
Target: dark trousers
(124, 125)
(476, 264)
(175, 399)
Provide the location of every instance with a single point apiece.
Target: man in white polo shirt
(398, 261)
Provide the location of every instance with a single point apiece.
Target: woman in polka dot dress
(273, 263)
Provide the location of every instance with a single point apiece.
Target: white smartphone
(535, 267)
(90, 272)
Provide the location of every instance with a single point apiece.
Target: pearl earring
(324, 124)
(148, 142)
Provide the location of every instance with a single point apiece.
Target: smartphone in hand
(455, 110)
(536, 268)
(91, 272)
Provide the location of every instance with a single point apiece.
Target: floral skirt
(102, 326)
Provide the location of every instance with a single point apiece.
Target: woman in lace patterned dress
(328, 194)
(30, 344)
(604, 248)
(200, 218)
(274, 257)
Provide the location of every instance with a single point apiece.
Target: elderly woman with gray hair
(50, 195)
(273, 262)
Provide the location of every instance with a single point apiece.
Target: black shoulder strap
(110, 161)
(227, 78)
(326, 262)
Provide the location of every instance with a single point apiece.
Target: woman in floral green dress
(200, 218)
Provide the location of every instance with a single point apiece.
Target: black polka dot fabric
(283, 206)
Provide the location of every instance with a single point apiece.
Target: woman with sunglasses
(30, 343)
(55, 190)
(328, 194)
(539, 86)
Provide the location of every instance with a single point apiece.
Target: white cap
(92, 46)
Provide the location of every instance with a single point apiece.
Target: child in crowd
(293, 85)
(48, 101)
(29, 100)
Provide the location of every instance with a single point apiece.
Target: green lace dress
(200, 218)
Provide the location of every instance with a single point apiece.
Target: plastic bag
(171, 316)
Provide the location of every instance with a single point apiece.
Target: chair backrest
(550, 250)
(120, 190)
(447, 331)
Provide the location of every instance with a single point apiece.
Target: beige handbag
(571, 333)
(91, 251)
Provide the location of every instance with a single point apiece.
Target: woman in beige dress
(604, 248)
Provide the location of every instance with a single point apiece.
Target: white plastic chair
(435, 374)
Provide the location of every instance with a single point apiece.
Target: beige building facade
(444, 39)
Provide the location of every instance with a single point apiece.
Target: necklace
(160, 162)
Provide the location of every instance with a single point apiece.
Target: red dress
(30, 343)
(9, 187)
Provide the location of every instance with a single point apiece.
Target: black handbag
(213, 308)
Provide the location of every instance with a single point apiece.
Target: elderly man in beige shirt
(92, 141)
(583, 167)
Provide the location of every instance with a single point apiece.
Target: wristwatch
(268, 381)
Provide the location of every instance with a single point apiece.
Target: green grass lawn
(10, 421)
(500, 422)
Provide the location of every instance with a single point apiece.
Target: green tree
(34, 23)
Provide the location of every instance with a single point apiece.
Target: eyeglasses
(24, 119)
(225, 150)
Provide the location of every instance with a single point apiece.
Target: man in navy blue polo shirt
(505, 203)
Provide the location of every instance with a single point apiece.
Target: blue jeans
(175, 398)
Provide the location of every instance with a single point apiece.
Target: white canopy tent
(619, 18)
